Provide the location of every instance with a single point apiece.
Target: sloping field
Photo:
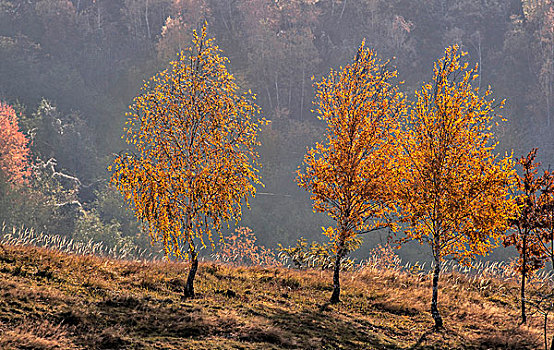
(52, 300)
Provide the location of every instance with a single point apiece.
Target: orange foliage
(14, 152)
(348, 173)
(383, 257)
(196, 160)
(452, 191)
(240, 248)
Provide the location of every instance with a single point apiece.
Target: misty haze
(271, 174)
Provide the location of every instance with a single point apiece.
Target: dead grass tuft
(268, 334)
(35, 334)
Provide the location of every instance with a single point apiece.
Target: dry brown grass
(52, 300)
(35, 334)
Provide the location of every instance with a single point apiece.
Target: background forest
(71, 68)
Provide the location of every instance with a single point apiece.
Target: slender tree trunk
(230, 13)
(147, 21)
(302, 93)
(98, 22)
(276, 91)
(189, 287)
(335, 297)
(551, 261)
(551, 252)
(523, 276)
(269, 97)
(342, 12)
(434, 308)
(548, 101)
(480, 62)
(290, 91)
(290, 78)
(544, 330)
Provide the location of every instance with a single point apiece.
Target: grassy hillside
(50, 300)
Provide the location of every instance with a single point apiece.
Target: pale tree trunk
(98, 18)
(302, 93)
(189, 287)
(434, 302)
(276, 91)
(290, 77)
(343, 8)
(147, 21)
(548, 88)
(290, 91)
(480, 59)
(549, 83)
(269, 97)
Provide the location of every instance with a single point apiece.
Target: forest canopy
(70, 68)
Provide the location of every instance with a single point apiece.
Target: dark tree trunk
(335, 297)
(523, 277)
(545, 330)
(434, 308)
(189, 287)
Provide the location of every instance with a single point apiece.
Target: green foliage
(111, 207)
(89, 227)
(65, 137)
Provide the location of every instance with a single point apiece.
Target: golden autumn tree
(347, 173)
(452, 192)
(195, 164)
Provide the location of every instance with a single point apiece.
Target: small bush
(241, 249)
(383, 258)
(315, 255)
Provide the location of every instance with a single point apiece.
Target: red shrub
(14, 152)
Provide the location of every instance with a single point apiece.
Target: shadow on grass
(143, 310)
(321, 328)
(125, 320)
(514, 339)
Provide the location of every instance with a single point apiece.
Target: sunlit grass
(30, 237)
(50, 299)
